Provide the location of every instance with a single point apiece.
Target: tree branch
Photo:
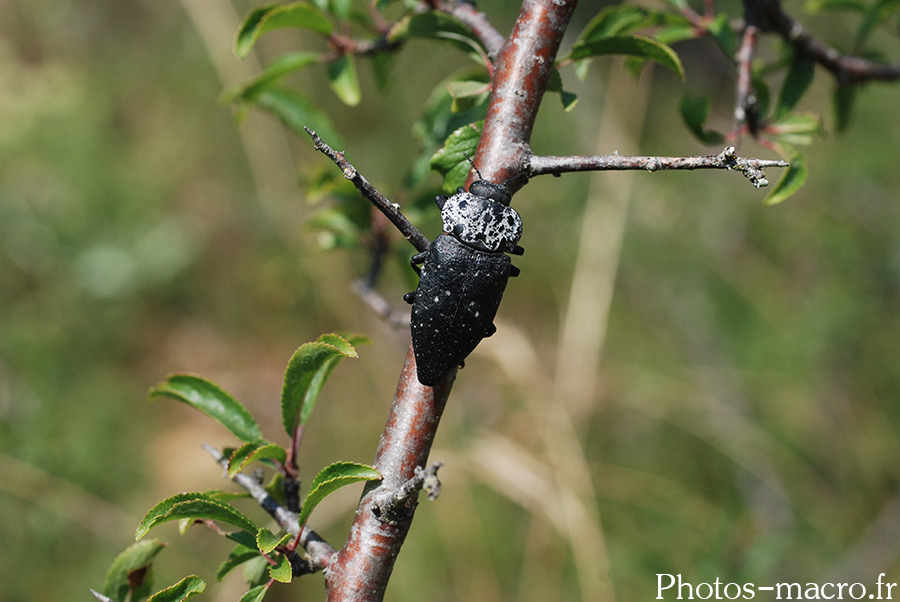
(391, 505)
(389, 209)
(745, 104)
(846, 69)
(361, 570)
(379, 305)
(521, 72)
(321, 552)
(753, 169)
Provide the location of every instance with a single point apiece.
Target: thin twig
(477, 21)
(391, 503)
(846, 69)
(745, 110)
(379, 305)
(753, 169)
(321, 552)
(389, 209)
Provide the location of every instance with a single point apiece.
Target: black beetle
(463, 275)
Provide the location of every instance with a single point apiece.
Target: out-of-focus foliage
(743, 423)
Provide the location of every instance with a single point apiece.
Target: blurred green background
(683, 380)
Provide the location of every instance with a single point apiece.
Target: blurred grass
(741, 423)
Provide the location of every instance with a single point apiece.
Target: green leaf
(226, 496)
(790, 182)
(256, 571)
(243, 538)
(274, 71)
(275, 16)
(694, 111)
(330, 479)
(281, 572)
(256, 594)
(184, 589)
(796, 82)
(675, 33)
(467, 88)
(266, 541)
(131, 569)
(632, 45)
(624, 19)
(467, 93)
(252, 452)
(382, 63)
(450, 160)
(437, 26)
(843, 105)
(197, 506)
(275, 488)
(797, 129)
(722, 32)
(877, 13)
(297, 111)
(343, 79)
(569, 100)
(238, 556)
(341, 8)
(307, 371)
(336, 229)
(438, 120)
(817, 6)
(210, 399)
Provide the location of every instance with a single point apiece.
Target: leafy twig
(321, 552)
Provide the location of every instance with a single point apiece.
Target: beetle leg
(513, 271)
(410, 297)
(417, 260)
(517, 250)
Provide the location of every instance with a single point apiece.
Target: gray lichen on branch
(753, 169)
(391, 503)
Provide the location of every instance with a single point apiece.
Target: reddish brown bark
(521, 72)
(361, 569)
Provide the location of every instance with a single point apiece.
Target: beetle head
(490, 190)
